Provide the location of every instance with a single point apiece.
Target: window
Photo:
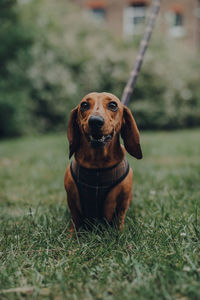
(97, 10)
(176, 21)
(134, 18)
(98, 13)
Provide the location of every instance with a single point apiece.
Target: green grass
(158, 255)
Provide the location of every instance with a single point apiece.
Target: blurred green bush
(16, 40)
(52, 55)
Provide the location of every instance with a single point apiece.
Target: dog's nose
(96, 122)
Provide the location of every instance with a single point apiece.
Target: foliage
(168, 96)
(71, 57)
(15, 43)
(52, 55)
(156, 257)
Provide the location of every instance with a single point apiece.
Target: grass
(158, 255)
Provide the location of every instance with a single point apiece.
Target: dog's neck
(104, 157)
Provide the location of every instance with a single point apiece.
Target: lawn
(156, 257)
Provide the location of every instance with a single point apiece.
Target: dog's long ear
(73, 132)
(130, 134)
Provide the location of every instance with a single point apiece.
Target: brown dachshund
(98, 182)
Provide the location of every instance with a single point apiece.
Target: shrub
(72, 56)
(172, 97)
(15, 43)
(60, 55)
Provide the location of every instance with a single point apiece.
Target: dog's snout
(96, 122)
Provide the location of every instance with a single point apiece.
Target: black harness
(95, 184)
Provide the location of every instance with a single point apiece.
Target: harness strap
(95, 184)
(101, 177)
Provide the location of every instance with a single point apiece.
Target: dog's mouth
(99, 140)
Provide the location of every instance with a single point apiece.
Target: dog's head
(100, 117)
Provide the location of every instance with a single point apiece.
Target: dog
(99, 180)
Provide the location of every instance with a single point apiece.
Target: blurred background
(54, 52)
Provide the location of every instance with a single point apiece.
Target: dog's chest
(95, 184)
(92, 199)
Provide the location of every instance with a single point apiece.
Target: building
(126, 18)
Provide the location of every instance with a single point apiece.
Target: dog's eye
(112, 106)
(85, 106)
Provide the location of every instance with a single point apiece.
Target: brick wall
(178, 18)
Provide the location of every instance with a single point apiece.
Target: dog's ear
(73, 132)
(130, 134)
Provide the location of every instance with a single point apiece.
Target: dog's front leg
(121, 209)
(77, 220)
(109, 207)
(124, 199)
(73, 201)
(118, 201)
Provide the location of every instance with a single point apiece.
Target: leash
(128, 90)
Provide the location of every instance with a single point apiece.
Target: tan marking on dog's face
(106, 105)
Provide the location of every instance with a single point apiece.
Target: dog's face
(100, 117)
